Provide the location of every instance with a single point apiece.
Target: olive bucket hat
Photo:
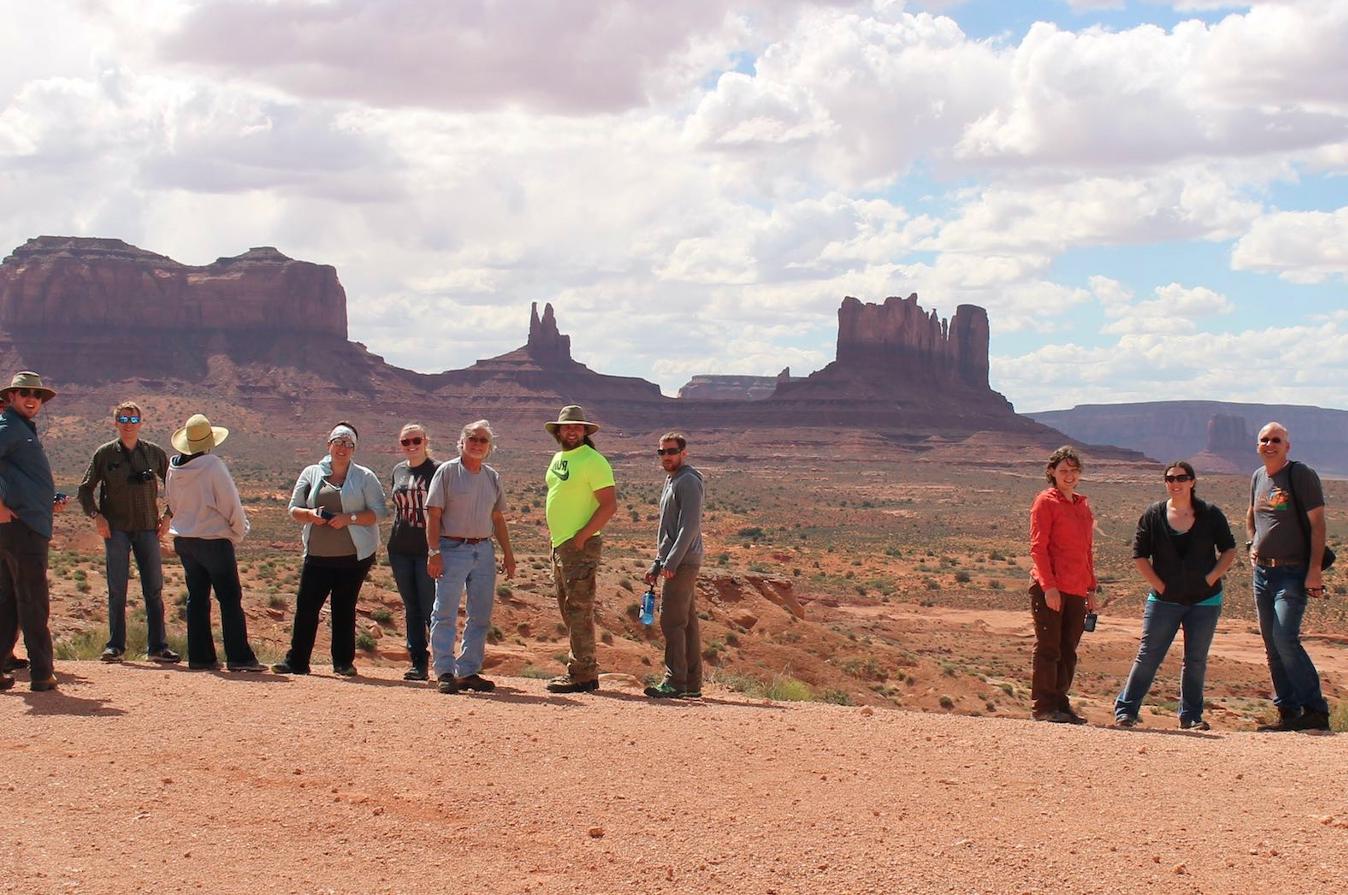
(571, 415)
(30, 380)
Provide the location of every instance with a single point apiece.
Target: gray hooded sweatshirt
(680, 538)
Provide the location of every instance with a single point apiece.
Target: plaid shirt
(128, 503)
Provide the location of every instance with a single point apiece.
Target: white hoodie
(201, 495)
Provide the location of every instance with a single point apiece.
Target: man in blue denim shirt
(27, 501)
(1285, 554)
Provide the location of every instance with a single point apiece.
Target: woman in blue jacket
(1183, 547)
(339, 503)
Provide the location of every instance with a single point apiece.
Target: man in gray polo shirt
(1286, 525)
(465, 506)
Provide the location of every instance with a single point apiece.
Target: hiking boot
(663, 691)
(164, 656)
(415, 673)
(565, 684)
(1194, 724)
(449, 684)
(1053, 717)
(477, 683)
(287, 668)
(1127, 722)
(111, 654)
(1311, 721)
(691, 694)
(1073, 717)
(44, 685)
(13, 663)
(344, 670)
(254, 665)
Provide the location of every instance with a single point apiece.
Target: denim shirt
(360, 491)
(26, 484)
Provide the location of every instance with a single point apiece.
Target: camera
(1091, 619)
(326, 513)
(145, 475)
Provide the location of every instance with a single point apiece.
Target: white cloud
(1299, 246)
(1176, 309)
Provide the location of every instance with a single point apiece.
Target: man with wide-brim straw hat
(27, 501)
(198, 436)
(582, 497)
(206, 519)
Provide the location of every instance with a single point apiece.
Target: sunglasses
(28, 393)
(1270, 439)
(1183, 477)
(668, 452)
(128, 419)
(414, 441)
(344, 442)
(478, 439)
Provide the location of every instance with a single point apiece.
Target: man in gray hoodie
(677, 559)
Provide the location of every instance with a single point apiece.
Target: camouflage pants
(573, 572)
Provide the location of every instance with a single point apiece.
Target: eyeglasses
(668, 452)
(128, 419)
(1270, 439)
(28, 393)
(1184, 477)
(414, 441)
(478, 439)
(343, 442)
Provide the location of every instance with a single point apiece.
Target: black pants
(25, 603)
(340, 576)
(211, 563)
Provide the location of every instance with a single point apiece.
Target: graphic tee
(410, 484)
(1277, 533)
(573, 477)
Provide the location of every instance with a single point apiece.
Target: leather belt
(466, 540)
(1276, 563)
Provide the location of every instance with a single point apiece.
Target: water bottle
(648, 607)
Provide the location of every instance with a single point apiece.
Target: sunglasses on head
(123, 418)
(1270, 439)
(1182, 477)
(668, 452)
(411, 442)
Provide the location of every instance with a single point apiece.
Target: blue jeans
(471, 567)
(1160, 622)
(417, 589)
(117, 550)
(1280, 598)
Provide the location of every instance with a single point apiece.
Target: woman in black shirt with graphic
(407, 543)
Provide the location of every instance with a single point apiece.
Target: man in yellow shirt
(581, 499)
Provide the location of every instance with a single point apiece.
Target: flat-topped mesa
(107, 284)
(546, 343)
(899, 338)
(1228, 434)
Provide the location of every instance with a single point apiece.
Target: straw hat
(198, 435)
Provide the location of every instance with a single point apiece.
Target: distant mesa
(1227, 448)
(716, 387)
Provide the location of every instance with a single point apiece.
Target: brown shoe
(567, 685)
(43, 685)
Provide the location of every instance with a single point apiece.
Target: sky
(1149, 197)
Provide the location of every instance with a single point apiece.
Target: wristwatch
(434, 551)
(352, 518)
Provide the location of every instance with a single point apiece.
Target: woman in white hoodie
(207, 521)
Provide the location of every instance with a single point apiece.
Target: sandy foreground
(139, 778)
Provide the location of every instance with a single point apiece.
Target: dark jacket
(1184, 576)
(26, 484)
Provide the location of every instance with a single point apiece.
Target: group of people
(1183, 546)
(449, 519)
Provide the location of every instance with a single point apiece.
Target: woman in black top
(1183, 547)
(407, 543)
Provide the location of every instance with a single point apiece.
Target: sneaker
(165, 656)
(415, 673)
(6, 681)
(1053, 717)
(204, 666)
(663, 691)
(111, 654)
(449, 683)
(477, 683)
(287, 668)
(1311, 721)
(13, 663)
(1199, 724)
(254, 665)
(1127, 722)
(42, 686)
(565, 684)
(344, 670)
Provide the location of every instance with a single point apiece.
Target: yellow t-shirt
(573, 477)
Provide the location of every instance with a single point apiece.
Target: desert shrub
(963, 577)
(785, 688)
(381, 615)
(626, 584)
(276, 601)
(503, 591)
(533, 671)
(1338, 719)
(946, 703)
(996, 584)
(837, 697)
(495, 634)
(750, 532)
(365, 642)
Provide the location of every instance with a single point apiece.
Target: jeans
(117, 549)
(211, 563)
(679, 624)
(1280, 598)
(470, 567)
(25, 603)
(1160, 622)
(1056, 636)
(417, 589)
(342, 577)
